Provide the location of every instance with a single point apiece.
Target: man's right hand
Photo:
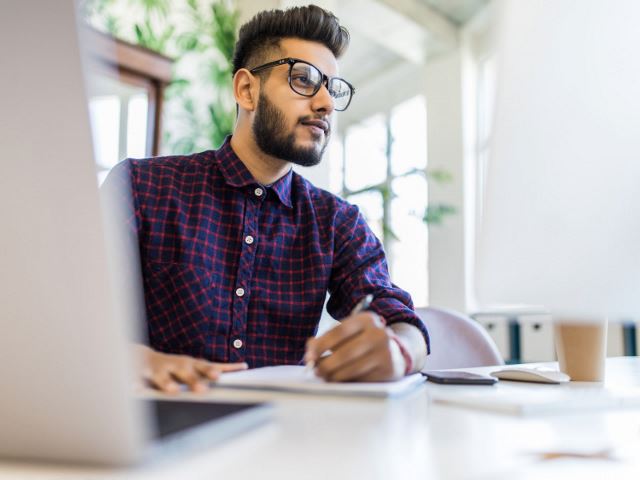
(166, 371)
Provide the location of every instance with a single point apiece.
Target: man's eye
(302, 80)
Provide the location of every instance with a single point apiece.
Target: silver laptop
(67, 319)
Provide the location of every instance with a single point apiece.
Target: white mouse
(531, 374)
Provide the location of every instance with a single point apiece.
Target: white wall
(248, 8)
(477, 43)
(447, 265)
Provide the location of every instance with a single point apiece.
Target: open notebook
(292, 378)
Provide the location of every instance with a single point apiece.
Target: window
(384, 173)
(119, 125)
(485, 88)
(126, 86)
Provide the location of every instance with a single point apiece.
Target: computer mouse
(531, 374)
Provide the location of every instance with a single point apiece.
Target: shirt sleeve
(360, 268)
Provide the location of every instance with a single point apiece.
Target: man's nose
(322, 101)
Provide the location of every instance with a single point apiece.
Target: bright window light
(105, 126)
(365, 147)
(137, 126)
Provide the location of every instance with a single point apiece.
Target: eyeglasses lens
(341, 93)
(307, 80)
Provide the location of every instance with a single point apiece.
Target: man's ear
(245, 89)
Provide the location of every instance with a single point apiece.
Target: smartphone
(458, 378)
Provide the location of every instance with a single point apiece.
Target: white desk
(405, 438)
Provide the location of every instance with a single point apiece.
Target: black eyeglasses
(306, 79)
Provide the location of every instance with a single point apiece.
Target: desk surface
(408, 438)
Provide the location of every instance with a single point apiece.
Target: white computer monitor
(561, 219)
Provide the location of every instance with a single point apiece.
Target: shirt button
(248, 239)
(258, 192)
(240, 292)
(237, 343)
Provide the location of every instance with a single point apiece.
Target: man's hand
(166, 372)
(362, 349)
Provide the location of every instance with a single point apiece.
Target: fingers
(208, 370)
(212, 371)
(378, 374)
(331, 340)
(162, 380)
(360, 351)
(186, 372)
(353, 371)
(346, 354)
(166, 372)
(357, 358)
(362, 371)
(231, 367)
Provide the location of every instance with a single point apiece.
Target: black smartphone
(458, 378)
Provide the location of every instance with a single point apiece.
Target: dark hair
(264, 31)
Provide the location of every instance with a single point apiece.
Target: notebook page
(294, 378)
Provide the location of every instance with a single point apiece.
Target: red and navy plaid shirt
(237, 271)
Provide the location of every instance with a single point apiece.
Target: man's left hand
(362, 349)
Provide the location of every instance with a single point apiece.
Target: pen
(361, 306)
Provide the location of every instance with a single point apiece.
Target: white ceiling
(457, 11)
(385, 32)
(388, 35)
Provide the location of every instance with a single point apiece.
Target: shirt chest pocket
(182, 307)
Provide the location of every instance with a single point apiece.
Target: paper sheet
(293, 378)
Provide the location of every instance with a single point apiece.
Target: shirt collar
(236, 174)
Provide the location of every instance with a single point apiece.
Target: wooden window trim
(133, 65)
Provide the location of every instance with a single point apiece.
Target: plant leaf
(435, 214)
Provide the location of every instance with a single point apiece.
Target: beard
(270, 133)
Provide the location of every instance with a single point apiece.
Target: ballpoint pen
(361, 306)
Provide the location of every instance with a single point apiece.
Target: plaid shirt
(237, 271)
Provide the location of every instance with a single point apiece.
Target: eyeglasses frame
(325, 79)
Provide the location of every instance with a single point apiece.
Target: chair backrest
(457, 341)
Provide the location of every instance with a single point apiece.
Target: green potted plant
(200, 36)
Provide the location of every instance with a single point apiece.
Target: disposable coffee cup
(581, 346)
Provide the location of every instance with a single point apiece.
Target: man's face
(290, 126)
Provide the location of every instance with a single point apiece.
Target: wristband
(403, 350)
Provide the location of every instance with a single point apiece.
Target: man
(238, 251)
